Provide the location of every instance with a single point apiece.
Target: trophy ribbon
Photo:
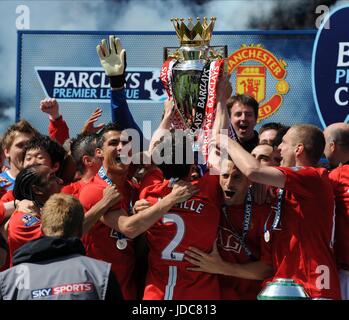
(177, 120)
(216, 69)
(205, 109)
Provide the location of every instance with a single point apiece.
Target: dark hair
(81, 145)
(112, 126)
(266, 143)
(56, 152)
(170, 148)
(25, 180)
(244, 99)
(281, 132)
(270, 126)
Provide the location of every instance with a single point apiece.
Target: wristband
(117, 81)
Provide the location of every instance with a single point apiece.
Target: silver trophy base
(283, 289)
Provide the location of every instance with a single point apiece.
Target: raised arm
(164, 124)
(113, 60)
(132, 226)
(57, 128)
(250, 166)
(221, 122)
(89, 125)
(222, 117)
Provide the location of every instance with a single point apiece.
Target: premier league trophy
(190, 75)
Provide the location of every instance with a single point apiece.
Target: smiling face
(37, 156)
(113, 152)
(233, 183)
(243, 120)
(15, 152)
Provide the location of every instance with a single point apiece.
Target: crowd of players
(169, 230)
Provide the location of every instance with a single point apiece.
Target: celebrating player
(302, 250)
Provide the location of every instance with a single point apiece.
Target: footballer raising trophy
(190, 74)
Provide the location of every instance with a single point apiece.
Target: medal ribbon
(103, 175)
(277, 209)
(246, 224)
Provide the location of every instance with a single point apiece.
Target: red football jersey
(302, 249)
(231, 250)
(100, 241)
(74, 188)
(58, 130)
(2, 212)
(8, 196)
(190, 223)
(153, 176)
(340, 182)
(23, 227)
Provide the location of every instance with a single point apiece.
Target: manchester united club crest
(251, 65)
(251, 80)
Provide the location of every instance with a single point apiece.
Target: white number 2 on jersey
(168, 253)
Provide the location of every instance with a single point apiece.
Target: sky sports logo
(74, 288)
(71, 84)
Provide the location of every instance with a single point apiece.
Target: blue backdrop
(65, 65)
(330, 68)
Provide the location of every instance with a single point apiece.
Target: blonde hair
(22, 126)
(62, 216)
(312, 139)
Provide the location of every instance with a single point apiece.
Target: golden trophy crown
(186, 75)
(194, 34)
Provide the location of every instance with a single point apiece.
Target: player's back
(23, 227)
(190, 223)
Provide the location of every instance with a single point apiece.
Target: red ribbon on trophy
(204, 116)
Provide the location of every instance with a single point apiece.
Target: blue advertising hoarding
(330, 68)
(275, 67)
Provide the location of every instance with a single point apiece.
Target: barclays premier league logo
(330, 68)
(71, 84)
